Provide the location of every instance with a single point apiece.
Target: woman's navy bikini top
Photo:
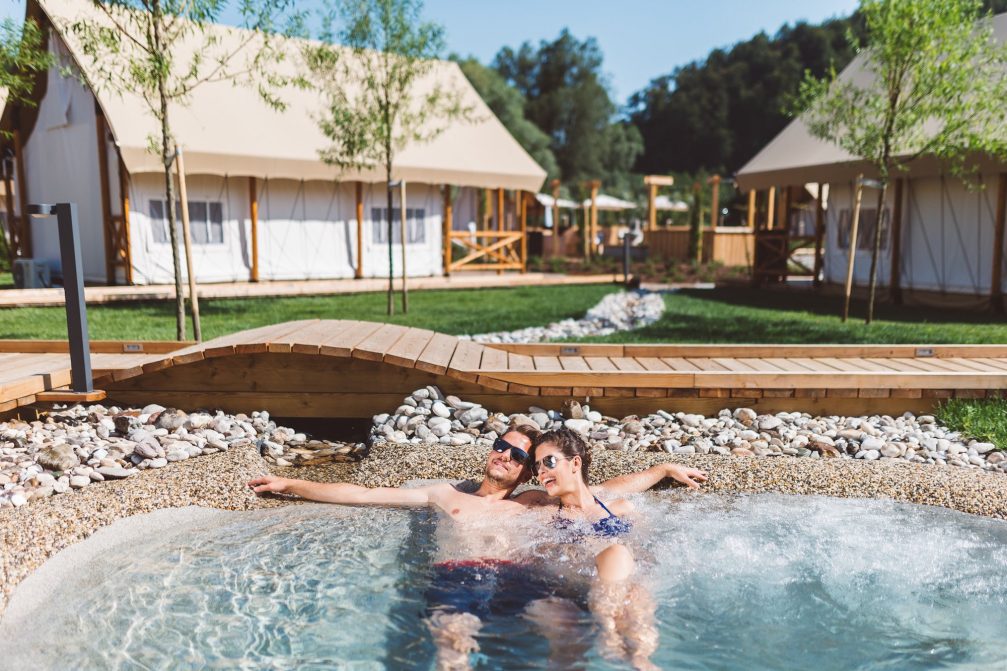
(613, 525)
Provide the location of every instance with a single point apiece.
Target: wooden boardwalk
(342, 368)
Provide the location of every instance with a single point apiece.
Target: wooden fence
(728, 245)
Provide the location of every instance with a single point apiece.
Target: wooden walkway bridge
(341, 368)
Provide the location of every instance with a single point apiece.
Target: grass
(455, 312)
(746, 315)
(985, 420)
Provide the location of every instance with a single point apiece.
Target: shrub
(982, 419)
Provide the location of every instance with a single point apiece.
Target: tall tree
(507, 104)
(567, 97)
(163, 50)
(374, 104)
(937, 79)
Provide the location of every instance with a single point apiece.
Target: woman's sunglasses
(516, 453)
(548, 461)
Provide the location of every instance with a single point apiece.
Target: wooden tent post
(187, 241)
(651, 207)
(996, 282)
(783, 211)
(359, 272)
(106, 208)
(751, 209)
(501, 225)
(715, 202)
(405, 239)
(852, 248)
(594, 186)
(124, 196)
(895, 283)
(24, 236)
(819, 233)
(557, 249)
(448, 226)
(11, 223)
(771, 207)
(522, 208)
(253, 219)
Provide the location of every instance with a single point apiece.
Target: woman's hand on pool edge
(269, 483)
(690, 477)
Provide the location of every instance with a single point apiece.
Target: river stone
(79, 481)
(441, 410)
(891, 450)
(171, 419)
(581, 426)
(871, 455)
(871, 443)
(996, 458)
(146, 449)
(524, 420)
(160, 462)
(745, 415)
(57, 457)
(983, 448)
(116, 472)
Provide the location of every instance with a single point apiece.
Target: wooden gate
(487, 250)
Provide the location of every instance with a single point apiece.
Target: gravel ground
(31, 534)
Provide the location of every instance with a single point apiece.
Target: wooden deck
(338, 368)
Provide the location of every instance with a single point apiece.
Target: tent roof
(609, 203)
(795, 157)
(663, 202)
(228, 129)
(546, 200)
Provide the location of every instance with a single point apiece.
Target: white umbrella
(666, 203)
(610, 203)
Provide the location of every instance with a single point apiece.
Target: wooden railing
(487, 250)
(727, 245)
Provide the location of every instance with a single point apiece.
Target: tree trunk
(695, 225)
(391, 255)
(402, 218)
(876, 252)
(167, 159)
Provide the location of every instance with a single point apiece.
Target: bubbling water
(743, 582)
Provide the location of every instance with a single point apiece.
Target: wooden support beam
(819, 234)
(12, 223)
(108, 227)
(593, 185)
(715, 201)
(783, 211)
(895, 283)
(24, 243)
(751, 209)
(557, 247)
(522, 207)
(359, 271)
(501, 225)
(652, 207)
(253, 216)
(448, 225)
(124, 204)
(996, 282)
(770, 207)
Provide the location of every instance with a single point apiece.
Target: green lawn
(456, 311)
(745, 315)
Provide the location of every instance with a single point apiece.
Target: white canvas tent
(241, 155)
(939, 232)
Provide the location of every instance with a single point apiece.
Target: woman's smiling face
(556, 472)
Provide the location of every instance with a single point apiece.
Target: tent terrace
(941, 241)
(263, 205)
(345, 368)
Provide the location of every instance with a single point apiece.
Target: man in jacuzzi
(478, 546)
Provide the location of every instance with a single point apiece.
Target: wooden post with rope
(852, 248)
(402, 212)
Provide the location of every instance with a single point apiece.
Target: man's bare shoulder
(534, 497)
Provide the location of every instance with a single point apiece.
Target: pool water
(741, 582)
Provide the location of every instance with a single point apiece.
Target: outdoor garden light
(73, 290)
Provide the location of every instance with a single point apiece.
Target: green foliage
(455, 312)
(934, 83)
(566, 96)
(984, 419)
(508, 105)
(23, 57)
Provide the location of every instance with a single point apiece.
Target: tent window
(865, 228)
(416, 230)
(206, 222)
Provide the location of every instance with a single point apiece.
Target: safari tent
(263, 205)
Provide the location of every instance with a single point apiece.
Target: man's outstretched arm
(342, 492)
(643, 480)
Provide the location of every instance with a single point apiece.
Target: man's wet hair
(526, 430)
(569, 443)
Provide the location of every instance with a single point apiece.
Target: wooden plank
(778, 393)
(436, 356)
(906, 393)
(715, 393)
(874, 393)
(746, 393)
(627, 364)
(521, 362)
(493, 359)
(408, 349)
(306, 339)
(587, 392)
(546, 363)
(619, 392)
(706, 364)
(248, 344)
(840, 364)
(465, 361)
(556, 391)
(788, 364)
(374, 346)
(842, 393)
(96, 346)
(342, 344)
(600, 363)
(647, 392)
(66, 396)
(758, 363)
(653, 363)
(999, 364)
(573, 363)
(730, 363)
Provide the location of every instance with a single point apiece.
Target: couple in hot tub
(481, 571)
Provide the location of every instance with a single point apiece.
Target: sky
(640, 39)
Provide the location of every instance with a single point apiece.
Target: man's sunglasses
(516, 453)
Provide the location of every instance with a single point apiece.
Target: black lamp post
(73, 290)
